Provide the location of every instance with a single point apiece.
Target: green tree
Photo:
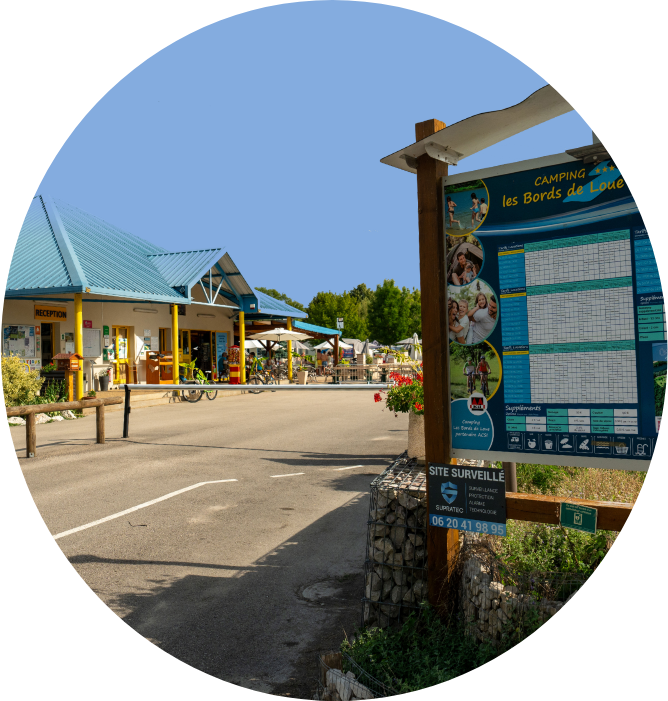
(326, 307)
(282, 297)
(415, 314)
(394, 313)
(361, 293)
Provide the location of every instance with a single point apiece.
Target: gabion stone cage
(496, 600)
(340, 678)
(395, 567)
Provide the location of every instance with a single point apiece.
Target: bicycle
(484, 387)
(194, 395)
(261, 377)
(470, 380)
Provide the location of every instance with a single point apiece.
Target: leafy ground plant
(423, 652)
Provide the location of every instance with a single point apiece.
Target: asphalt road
(245, 580)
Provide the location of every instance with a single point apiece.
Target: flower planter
(416, 447)
(302, 377)
(104, 382)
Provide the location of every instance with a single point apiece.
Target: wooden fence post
(99, 423)
(442, 543)
(31, 436)
(510, 472)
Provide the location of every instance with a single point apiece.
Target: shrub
(539, 547)
(18, 385)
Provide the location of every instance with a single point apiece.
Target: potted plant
(302, 375)
(190, 369)
(406, 396)
(103, 378)
(90, 395)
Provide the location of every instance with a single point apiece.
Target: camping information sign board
(556, 317)
(467, 498)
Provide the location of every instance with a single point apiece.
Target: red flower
(419, 406)
(376, 397)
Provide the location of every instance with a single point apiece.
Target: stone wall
(490, 608)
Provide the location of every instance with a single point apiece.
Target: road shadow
(250, 625)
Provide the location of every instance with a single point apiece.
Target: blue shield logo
(449, 491)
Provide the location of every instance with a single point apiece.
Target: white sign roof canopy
(482, 130)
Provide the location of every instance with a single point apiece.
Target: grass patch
(580, 482)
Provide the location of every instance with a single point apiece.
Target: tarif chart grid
(579, 319)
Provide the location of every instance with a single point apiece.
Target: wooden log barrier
(30, 410)
(538, 508)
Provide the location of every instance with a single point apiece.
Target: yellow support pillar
(78, 341)
(289, 351)
(117, 347)
(242, 349)
(175, 343)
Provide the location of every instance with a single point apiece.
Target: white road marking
(292, 474)
(136, 508)
(338, 469)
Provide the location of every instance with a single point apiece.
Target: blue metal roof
(270, 305)
(316, 329)
(63, 249)
(112, 261)
(187, 267)
(37, 262)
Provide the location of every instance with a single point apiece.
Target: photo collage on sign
(475, 366)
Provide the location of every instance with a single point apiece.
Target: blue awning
(315, 329)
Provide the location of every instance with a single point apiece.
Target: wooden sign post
(442, 543)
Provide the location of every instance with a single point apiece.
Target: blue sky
(263, 133)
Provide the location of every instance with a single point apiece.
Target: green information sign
(579, 518)
(105, 330)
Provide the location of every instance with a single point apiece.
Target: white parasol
(279, 335)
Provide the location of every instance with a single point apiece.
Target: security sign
(467, 498)
(449, 491)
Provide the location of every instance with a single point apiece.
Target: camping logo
(606, 177)
(449, 491)
(477, 403)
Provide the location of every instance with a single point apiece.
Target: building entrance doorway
(201, 351)
(46, 332)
